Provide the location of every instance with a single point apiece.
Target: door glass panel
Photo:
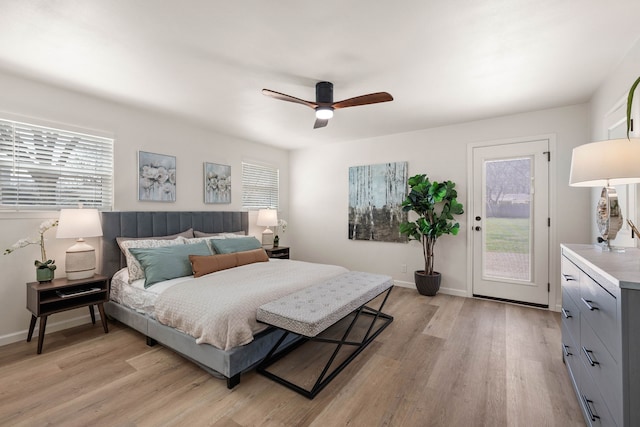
(507, 225)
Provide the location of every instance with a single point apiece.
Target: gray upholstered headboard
(149, 224)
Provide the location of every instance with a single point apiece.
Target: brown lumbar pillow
(205, 264)
(249, 257)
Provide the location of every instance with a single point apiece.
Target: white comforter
(220, 308)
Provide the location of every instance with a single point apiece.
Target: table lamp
(80, 261)
(267, 218)
(605, 164)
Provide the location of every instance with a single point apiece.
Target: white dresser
(601, 332)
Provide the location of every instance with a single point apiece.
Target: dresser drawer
(570, 315)
(603, 369)
(570, 279)
(571, 356)
(593, 405)
(599, 308)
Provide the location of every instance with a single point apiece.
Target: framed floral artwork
(156, 177)
(217, 183)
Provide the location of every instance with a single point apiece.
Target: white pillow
(207, 240)
(135, 269)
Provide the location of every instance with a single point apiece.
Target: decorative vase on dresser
(601, 332)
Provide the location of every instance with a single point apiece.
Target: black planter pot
(427, 284)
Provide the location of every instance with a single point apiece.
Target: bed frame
(227, 363)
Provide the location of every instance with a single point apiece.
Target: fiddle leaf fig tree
(435, 204)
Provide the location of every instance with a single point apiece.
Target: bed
(228, 363)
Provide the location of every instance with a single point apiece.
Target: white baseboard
(51, 327)
(448, 291)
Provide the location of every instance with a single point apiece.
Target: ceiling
(444, 62)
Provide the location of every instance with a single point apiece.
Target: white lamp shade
(267, 218)
(75, 223)
(603, 163)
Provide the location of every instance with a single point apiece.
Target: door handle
(477, 228)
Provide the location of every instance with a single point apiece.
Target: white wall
(319, 193)
(133, 130)
(614, 89)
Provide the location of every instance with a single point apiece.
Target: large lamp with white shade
(605, 164)
(80, 261)
(267, 218)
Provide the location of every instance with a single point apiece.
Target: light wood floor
(444, 361)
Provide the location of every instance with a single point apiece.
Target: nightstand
(281, 252)
(44, 299)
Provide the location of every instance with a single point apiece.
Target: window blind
(260, 186)
(45, 168)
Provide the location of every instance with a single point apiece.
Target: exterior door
(511, 222)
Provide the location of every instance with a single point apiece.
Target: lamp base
(267, 237)
(605, 247)
(80, 261)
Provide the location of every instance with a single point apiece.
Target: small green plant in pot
(435, 204)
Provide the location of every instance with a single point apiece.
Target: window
(45, 168)
(260, 185)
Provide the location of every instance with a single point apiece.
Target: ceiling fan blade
(372, 98)
(320, 123)
(289, 98)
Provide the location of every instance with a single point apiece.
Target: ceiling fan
(324, 104)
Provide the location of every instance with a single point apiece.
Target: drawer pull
(587, 404)
(588, 304)
(568, 277)
(566, 313)
(588, 353)
(565, 348)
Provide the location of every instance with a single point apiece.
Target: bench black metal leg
(322, 381)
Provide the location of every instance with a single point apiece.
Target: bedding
(237, 234)
(135, 296)
(227, 246)
(168, 262)
(202, 265)
(136, 271)
(220, 308)
(188, 233)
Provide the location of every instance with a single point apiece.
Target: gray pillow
(167, 262)
(197, 233)
(186, 233)
(229, 246)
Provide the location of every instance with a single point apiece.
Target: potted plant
(435, 204)
(46, 267)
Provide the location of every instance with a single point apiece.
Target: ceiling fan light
(324, 113)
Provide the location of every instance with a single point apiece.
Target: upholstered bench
(311, 311)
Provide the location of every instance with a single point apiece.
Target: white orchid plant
(44, 262)
(282, 226)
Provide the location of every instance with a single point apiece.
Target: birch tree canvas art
(376, 193)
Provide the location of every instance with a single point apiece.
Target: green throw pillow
(167, 262)
(229, 246)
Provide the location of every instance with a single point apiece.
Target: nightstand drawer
(281, 252)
